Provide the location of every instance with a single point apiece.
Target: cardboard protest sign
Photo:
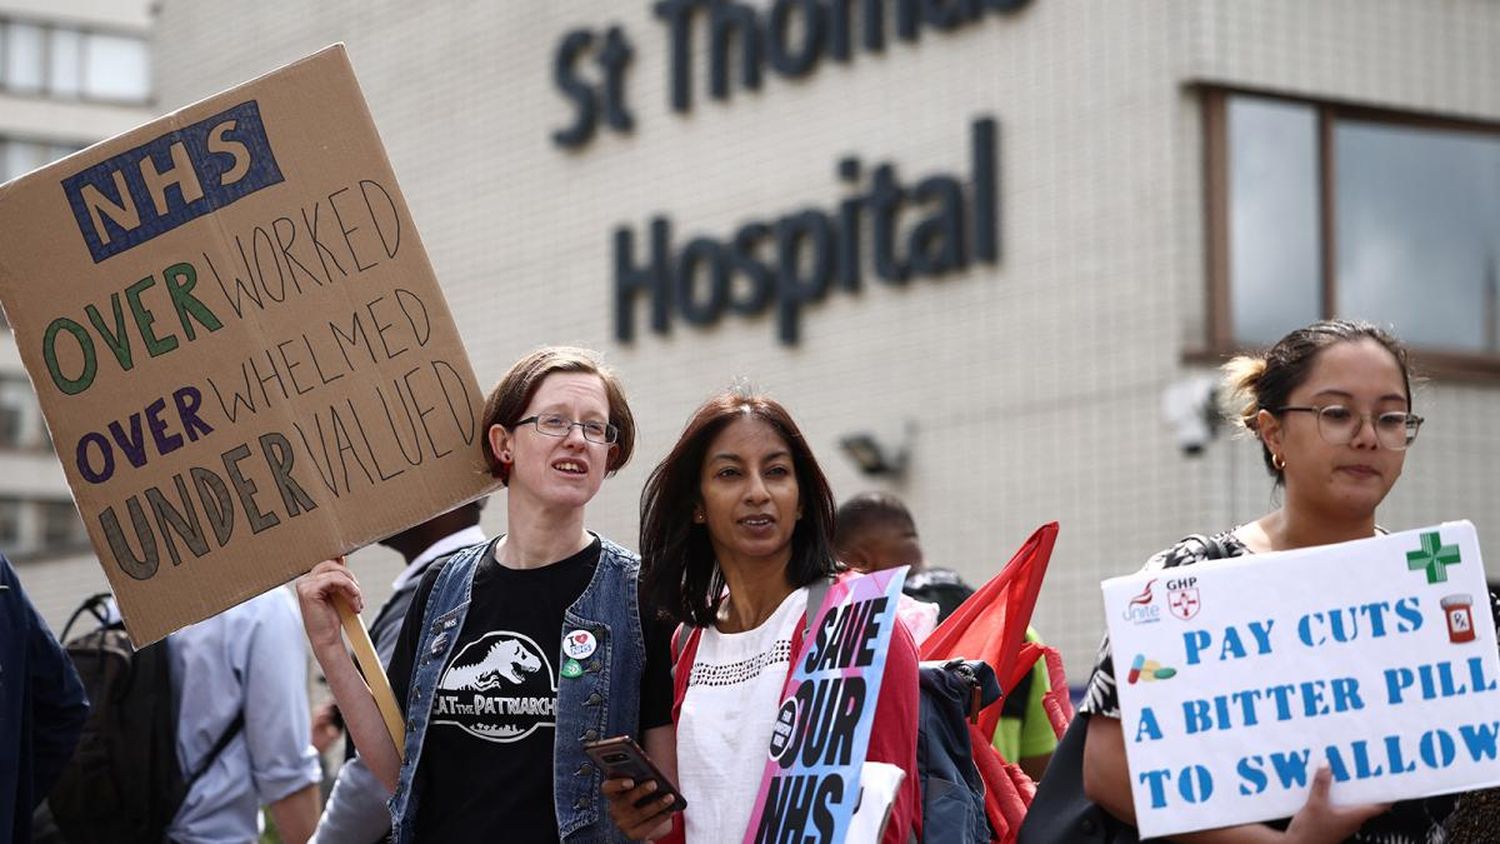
(241, 352)
(1239, 678)
(812, 774)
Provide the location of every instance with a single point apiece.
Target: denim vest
(602, 702)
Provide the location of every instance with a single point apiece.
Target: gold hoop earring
(1279, 462)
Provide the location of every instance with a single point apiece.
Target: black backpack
(124, 783)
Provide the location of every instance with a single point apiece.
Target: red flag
(991, 625)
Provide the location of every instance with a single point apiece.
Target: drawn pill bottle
(1459, 610)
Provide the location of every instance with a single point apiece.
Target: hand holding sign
(1320, 820)
(330, 600)
(318, 594)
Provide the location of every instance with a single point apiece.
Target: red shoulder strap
(684, 651)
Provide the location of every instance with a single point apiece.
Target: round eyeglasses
(1338, 425)
(557, 425)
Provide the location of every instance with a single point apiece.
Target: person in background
(943, 587)
(42, 708)
(1331, 405)
(246, 665)
(517, 652)
(327, 734)
(356, 811)
(736, 524)
(876, 531)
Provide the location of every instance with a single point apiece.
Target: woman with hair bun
(1331, 405)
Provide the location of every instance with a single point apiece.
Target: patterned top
(1408, 822)
(1101, 697)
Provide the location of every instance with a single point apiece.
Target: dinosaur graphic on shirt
(506, 659)
(500, 686)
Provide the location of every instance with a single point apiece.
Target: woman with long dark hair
(736, 522)
(1331, 405)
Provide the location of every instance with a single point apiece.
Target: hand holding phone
(641, 798)
(621, 758)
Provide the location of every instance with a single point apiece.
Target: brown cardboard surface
(244, 358)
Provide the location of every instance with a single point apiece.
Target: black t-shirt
(487, 759)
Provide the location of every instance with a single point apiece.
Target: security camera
(1191, 408)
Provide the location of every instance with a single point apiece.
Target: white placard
(1238, 678)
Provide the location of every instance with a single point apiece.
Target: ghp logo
(1182, 597)
(499, 687)
(1142, 608)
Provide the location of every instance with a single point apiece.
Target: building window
(12, 423)
(65, 63)
(10, 523)
(19, 415)
(25, 49)
(61, 527)
(19, 157)
(72, 63)
(1321, 210)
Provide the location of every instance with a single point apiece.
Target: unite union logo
(1142, 608)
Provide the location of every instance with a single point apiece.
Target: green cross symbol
(1433, 557)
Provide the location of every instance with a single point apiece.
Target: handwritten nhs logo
(147, 191)
(1142, 608)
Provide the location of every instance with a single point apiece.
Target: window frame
(1219, 331)
(28, 417)
(82, 95)
(72, 533)
(17, 508)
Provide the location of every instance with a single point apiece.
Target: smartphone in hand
(621, 758)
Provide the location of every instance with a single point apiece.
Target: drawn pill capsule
(1135, 668)
(1165, 673)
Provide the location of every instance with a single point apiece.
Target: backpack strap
(677, 645)
(684, 651)
(1055, 702)
(817, 593)
(230, 732)
(95, 605)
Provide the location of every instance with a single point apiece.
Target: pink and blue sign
(812, 774)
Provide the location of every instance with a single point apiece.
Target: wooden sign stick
(369, 663)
